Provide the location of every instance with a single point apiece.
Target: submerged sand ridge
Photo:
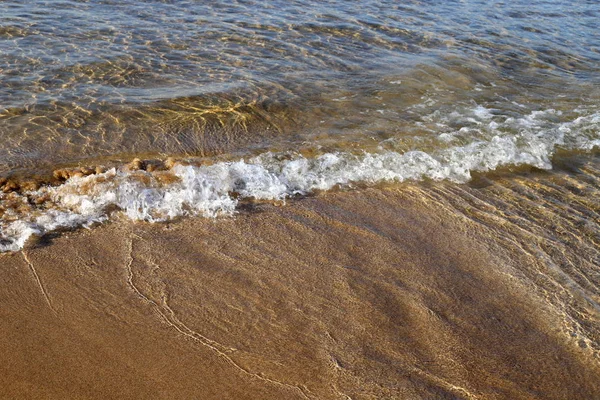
(407, 291)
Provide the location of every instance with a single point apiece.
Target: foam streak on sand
(212, 190)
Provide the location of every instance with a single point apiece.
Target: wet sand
(373, 293)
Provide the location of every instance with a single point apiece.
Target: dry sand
(374, 293)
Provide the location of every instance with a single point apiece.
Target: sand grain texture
(376, 293)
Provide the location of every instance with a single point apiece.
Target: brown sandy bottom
(408, 292)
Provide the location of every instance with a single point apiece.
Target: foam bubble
(216, 189)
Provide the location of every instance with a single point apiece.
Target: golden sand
(376, 293)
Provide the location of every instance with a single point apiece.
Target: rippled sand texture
(487, 291)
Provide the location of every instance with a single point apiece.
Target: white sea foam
(216, 189)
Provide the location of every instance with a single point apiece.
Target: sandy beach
(373, 293)
(300, 200)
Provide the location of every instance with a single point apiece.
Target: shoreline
(374, 293)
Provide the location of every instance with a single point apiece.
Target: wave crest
(212, 190)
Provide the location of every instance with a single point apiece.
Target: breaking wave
(217, 189)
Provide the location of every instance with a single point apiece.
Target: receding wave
(43, 137)
(217, 189)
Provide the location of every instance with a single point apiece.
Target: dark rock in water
(150, 167)
(61, 174)
(86, 171)
(154, 165)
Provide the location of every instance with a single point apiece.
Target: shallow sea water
(89, 80)
(269, 100)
